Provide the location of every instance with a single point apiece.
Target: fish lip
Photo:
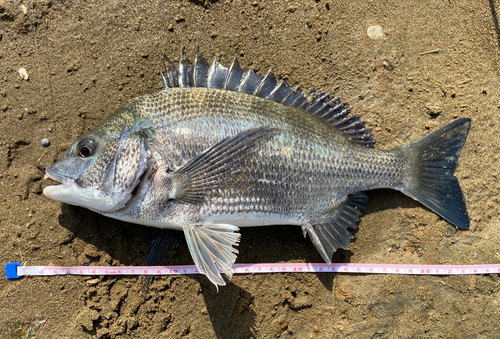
(63, 181)
(49, 174)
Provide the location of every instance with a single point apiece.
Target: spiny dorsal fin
(234, 78)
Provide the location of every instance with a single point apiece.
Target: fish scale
(220, 148)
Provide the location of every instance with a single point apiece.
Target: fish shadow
(129, 244)
(284, 243)
(274, 244)
(385, 199)
(230, 309)
(125, 243)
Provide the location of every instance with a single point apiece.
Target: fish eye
(86, 148)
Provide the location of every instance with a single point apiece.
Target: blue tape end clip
(11, 270)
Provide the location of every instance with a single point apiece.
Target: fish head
(101, 169)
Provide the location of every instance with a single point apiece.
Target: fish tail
(432, 161)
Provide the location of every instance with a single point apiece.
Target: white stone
(375, 32)
(23, 74)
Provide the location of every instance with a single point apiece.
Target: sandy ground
(86, 59)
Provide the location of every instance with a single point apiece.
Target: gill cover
(100, 178)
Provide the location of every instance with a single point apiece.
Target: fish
(220, 148)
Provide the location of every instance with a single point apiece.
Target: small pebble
(388, 65)
(375, 32)
(24, 9)
(23, 74)
(433, 110)
(92, 282)
(45, 142)
(300, 302)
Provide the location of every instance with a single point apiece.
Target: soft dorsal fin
(234, 78)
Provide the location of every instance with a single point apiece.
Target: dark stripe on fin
(171, 73)
(249, 82)
(233, 78)
(217, 75)
(185, 71)
(201, 67)
(433, 160)
(329, 236)
(281, 92)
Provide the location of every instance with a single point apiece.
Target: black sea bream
(220, 148)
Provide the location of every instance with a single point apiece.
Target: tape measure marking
(15, 270)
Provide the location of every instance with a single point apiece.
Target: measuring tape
(16, 270)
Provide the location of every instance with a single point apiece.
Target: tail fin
(433, 160)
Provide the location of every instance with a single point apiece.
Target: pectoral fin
(329, 236)
(211, 246)
(207, 170)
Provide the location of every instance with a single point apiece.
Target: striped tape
(16, 270)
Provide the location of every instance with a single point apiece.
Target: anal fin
(331, 235)
(211, 246)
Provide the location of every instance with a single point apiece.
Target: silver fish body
(220, 148)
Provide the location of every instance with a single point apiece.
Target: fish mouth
(51, 190)
(69, 192)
